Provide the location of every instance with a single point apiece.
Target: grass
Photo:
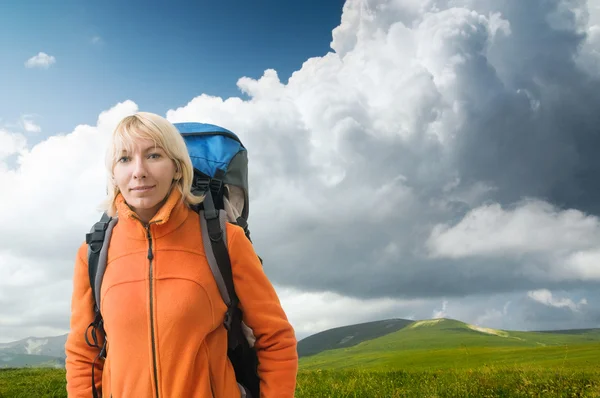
(482, 382)
(32, 382)
(576, 357)
(433, 359)
(449, 344)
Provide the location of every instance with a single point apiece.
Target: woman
(162, 310)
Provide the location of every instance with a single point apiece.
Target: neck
(145, 215)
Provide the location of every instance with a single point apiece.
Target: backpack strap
(215, 246)
(242, 356)
(98, 241)
(95, 242)
(98, 253)
(211, 255)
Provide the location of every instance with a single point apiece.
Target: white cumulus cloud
(41, 60)
(10, 143)
(29, 125)
(532, 227)
(546, 297)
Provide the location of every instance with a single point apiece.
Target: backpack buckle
(228, 318)
(216, 182)
(101, 225)
(216, 186)
(201, 183)
(232, 311)
(97, 234)
(205, 184)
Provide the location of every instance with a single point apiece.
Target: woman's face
(144, 177)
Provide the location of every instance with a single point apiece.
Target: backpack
(221, 172)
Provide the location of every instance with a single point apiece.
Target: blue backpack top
(219, 158)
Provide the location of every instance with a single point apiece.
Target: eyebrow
(150, 148)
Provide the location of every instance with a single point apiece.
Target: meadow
(432, 359)
(545, 377)
(482, 382)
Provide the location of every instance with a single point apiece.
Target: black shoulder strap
(95, 241)
(97, 252)
(243, 358)
(219, 248)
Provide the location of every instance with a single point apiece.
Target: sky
(408, 159)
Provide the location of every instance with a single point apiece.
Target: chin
(143, 203)
(147, 204)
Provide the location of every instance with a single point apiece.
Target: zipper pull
(150, 255)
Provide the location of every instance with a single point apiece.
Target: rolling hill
(348, 336)
(448, 343)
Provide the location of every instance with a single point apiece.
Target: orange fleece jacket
(164, 317)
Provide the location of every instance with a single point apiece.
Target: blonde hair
(147, 125)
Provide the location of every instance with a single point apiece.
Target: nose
(139, 170)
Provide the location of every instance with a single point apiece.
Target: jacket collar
(170, 216)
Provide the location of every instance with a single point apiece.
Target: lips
(144, 188)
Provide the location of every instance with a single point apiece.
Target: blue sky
(158, 54)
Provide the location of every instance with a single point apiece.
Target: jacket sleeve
(275, 337)
(79, 355)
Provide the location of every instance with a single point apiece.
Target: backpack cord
(96, 325)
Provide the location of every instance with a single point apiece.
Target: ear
(177, 175)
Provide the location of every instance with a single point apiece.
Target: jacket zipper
(151, 257)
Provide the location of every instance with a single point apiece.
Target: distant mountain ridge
(34, 352)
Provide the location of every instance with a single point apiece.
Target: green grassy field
(435, 358)
(582, 357)
(35, 382)
(482, 382)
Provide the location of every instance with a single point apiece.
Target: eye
(123, 159)
(154, 155)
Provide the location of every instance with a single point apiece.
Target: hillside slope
(348, 336)
(447, 343)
